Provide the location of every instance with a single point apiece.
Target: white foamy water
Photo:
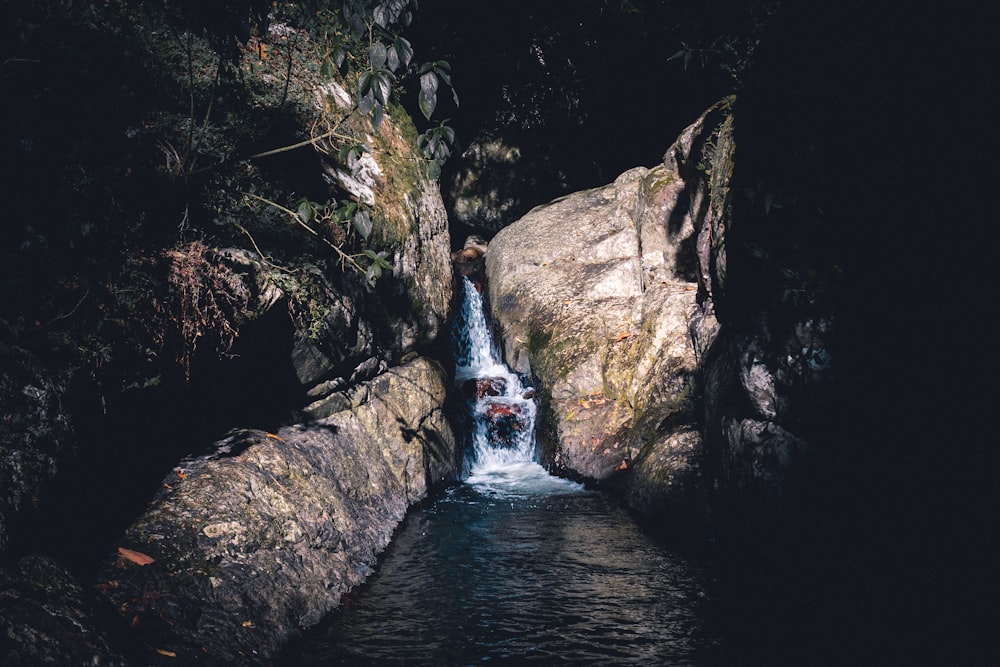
(502, 459)
(519, 478)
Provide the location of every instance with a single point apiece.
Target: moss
(657, 179)
(404, 173)
(538, 341)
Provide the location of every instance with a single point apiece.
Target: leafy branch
(356, 214)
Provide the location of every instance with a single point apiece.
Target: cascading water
(501, 458)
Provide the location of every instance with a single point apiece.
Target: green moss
(404, 172)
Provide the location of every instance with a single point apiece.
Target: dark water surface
(521, 572)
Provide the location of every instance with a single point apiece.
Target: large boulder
(243, 547)
(649, 356)
(595, 293)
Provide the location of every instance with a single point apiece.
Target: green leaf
(378, 116)
(427, 98)
(404, 50)
(339, 55)
(366, 102)
(356, 22)
(381, 85)
(365, 82)
(378, 55)
(426, 101)
(305, 211)
(362, 223)
(429, 82)
(392, 58)
(326, 69)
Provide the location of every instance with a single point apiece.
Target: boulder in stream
(242, 548)
(595, 293)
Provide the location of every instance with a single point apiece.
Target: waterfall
(501, 458)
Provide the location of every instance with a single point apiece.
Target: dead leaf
(247, 624)
(275, 437)
(623, 335)
(136, 557)
(169, 654)
(181, 474)
(134, 622)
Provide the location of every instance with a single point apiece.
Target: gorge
(230, 396)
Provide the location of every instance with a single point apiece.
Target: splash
(501, 458)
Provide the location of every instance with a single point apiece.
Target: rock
(163, 328)
(764, 399)
(505, 421)
(261, 538)
(669, 481)
(594, 293)
(479, 388)
(46, 618)
(622, 302)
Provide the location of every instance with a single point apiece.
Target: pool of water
(518, 567)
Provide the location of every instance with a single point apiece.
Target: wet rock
(505, 421)
(467, 261)
(479, 388)
(261, 538)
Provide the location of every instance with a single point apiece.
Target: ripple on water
(494, 574)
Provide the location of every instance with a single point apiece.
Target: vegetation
(202, 126)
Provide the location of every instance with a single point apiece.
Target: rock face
(595, 293)
(130, 359)
(263, 536)
(620, 301)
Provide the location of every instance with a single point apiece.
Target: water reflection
(481, 577)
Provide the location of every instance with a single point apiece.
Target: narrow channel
(515, 566)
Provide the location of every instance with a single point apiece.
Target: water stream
(515, 566)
